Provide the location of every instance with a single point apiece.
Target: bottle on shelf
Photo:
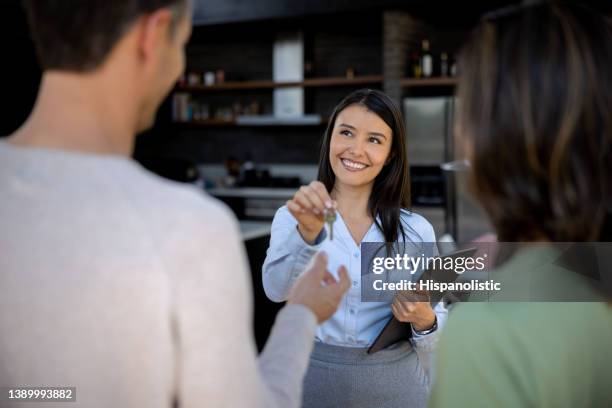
(415, 65)
(193, 78)
(219, 76)
(237, 109)
(209, 78)
(444, 68)
(181, 111)
(426, 59)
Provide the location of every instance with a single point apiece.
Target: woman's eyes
(348, 133)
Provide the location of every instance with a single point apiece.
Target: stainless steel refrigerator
(440, 196)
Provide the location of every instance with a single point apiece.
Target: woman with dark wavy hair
(536, 115)
(363, 175)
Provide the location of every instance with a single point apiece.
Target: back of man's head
(76, 35)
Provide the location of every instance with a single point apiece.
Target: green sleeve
(479, 362)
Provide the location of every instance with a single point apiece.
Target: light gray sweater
(133, 289)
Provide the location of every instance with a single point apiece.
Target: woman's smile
(352, 165)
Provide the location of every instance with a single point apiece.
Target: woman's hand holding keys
(308, 207)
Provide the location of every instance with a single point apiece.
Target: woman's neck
(352, 200)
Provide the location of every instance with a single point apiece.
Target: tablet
(395, 331)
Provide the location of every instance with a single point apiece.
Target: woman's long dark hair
(536, 102)
(391, 190)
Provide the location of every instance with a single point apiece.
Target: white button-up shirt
(355, 323)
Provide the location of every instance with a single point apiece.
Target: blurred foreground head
(535, 114)
(141, 42)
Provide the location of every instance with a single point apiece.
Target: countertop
(254, 229)
(253, 192)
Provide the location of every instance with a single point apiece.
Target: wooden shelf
(207, 122)
(317, 82)
(438, 81)
(233, 122)
(266, 84)
(342, 81)
(227, 86)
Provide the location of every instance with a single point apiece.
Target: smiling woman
(361, 142)
(367, 128)
(363, 174)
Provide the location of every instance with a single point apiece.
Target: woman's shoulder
(412, 217)
(418, 224)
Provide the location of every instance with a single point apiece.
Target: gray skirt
(346, 377)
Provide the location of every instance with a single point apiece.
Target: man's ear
(154, 28)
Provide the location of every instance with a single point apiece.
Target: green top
(519, 354)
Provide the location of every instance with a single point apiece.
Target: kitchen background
(261, 84)
(245, 120)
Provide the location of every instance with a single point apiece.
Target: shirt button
(352, 311)
(356, 254)
(355, 283)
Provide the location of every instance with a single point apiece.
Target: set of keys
(329, 217)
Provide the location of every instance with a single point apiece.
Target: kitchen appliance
(440, 196)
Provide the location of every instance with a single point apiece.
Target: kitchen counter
(253, 192)
(254, 229)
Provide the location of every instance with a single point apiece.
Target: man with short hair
(131, 288)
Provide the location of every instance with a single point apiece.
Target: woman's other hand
(414, 307)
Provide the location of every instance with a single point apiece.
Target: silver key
(329, 218)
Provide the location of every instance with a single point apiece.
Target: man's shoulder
(170, 199)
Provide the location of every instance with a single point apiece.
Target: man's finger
(328, 278)
(344, 283)
(319, 266)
